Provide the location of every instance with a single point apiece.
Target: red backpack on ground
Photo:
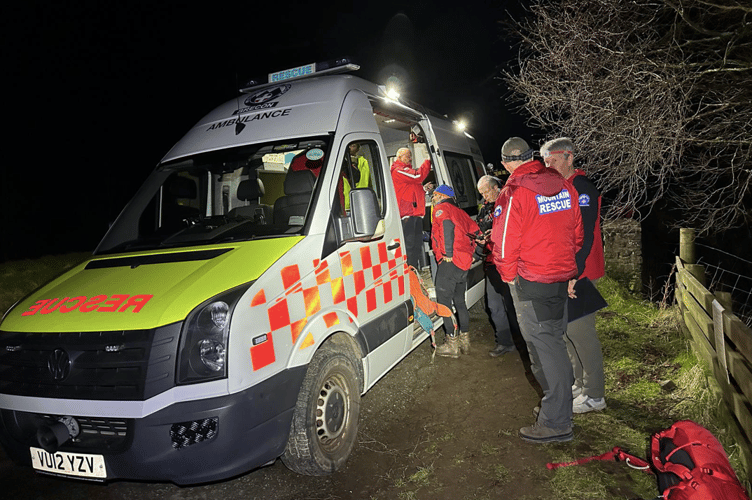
(688, 461)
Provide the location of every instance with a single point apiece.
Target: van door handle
(393, 246)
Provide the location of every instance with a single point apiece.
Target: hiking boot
(465, 342)
(539, 433)
(584, 403)
(450, 348)
(501, 349)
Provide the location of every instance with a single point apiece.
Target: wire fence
(729, 273)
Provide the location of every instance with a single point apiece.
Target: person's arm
(589, 212)
(448, 226)
(365, 173)
(425, 167)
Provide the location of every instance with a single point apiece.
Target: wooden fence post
(724, 298)
(688, 255)
(687, 245)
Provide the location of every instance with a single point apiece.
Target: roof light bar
(333, 66)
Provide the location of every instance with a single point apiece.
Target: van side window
(360, 168)
(462, 173)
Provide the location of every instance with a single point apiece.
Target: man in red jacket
(408, 183)
(582, 338)
(536, 233)
(453, 236)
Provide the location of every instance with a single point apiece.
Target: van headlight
(203, 341)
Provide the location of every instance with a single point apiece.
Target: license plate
(69, 464)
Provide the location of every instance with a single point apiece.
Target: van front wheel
(325, 420)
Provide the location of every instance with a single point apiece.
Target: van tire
(331, 389)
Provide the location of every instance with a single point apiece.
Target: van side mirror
(364, 222)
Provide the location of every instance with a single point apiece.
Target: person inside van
(408, 184)
(360, 171)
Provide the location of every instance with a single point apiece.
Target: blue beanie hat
(446, 190)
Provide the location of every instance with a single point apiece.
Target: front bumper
(186, 443)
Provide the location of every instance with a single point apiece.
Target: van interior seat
(251, 190)
(298, 189)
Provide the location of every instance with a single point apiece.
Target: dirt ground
(430, 429)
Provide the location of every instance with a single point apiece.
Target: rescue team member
(360, 171)
(498, 298)
(536, 233)
(582, 338)
(408, 183)
(453, 235)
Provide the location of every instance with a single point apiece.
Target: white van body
(243, 301)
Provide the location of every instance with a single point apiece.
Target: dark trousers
(500, 309)
(542, 314)
(451, 282)
(412, 227)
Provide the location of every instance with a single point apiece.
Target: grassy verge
(643, 347)
(21, 277)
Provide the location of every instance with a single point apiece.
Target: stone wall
(622, 241)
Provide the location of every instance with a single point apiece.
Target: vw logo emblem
(59, 364)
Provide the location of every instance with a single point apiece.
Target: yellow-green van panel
(125, 297)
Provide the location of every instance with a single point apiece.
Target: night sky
(99, 91)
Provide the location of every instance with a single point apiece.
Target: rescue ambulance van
(246, 297)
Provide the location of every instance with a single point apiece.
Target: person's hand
(570, 289)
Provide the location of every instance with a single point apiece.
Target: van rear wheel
(325, 420)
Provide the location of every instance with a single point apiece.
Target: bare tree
(657, 94)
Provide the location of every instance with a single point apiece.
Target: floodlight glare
(392, 93)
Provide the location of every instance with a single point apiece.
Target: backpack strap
(617, 455)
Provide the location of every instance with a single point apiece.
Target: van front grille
(119, 365)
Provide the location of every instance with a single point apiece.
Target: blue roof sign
(287, 74)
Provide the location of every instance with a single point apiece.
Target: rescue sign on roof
(287, 74)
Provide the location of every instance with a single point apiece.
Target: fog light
(185, 434)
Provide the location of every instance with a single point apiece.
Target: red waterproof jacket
(453, 234)
(408, 183)
(590, 257)
(537, 227)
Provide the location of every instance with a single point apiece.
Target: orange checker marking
(331, 319)
(263, 354)
(258, 299)
(346, 263)
(338, 290)
(296, 289)
(307, 342)
(370, 299)
(360, 282)
(279, 315)
(312, 300)
(401, 285)
(387, 292)
(290, 276)
(376, 270)
(365, 257)
(383, 255)
(398, 252)
(297, 328)
(352, 306)
(323, 277)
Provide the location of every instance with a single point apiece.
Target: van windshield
(251, 192)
